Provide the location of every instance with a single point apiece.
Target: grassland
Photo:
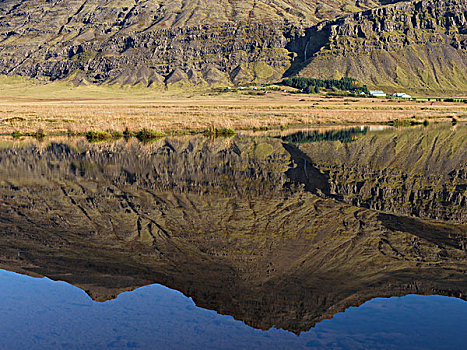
(29, 107)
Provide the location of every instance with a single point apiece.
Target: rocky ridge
(154, 42)
(420, 45)
(237, 42)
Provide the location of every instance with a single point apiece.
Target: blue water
(41, 314)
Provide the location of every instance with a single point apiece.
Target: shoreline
(186, 113)
(271, 132)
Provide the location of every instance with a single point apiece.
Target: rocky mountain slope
(152, 42)
(421, 45)
(234, 42)
(228, 222)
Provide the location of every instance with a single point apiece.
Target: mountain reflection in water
(271, 233)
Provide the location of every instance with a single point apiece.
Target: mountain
(419, 44)
(229, 222)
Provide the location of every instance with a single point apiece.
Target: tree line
(345, 135)
(312, 85)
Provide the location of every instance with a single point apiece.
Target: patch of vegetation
(16, 134)
(311, 85)
(146, 135)
(83, 56)
(117, 134)
(98, 136)
(345, 135)
(408, 122)
(441, 99)
(39, 134)
(261, 128)
(219, 132)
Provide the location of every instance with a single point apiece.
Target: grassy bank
(27, 107)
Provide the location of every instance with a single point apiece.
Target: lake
(332, 238)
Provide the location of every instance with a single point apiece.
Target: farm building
(377, 93)
(401, 95)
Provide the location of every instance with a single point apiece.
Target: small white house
(401, 95)
(377, 93)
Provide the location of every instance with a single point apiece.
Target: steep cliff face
(420, 45)
(157, 42)
(225, 221)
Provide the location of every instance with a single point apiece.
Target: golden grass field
(59, 107)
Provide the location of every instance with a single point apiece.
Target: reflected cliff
(420, 172)
(252, 227)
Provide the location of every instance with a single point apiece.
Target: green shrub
(148, 134)
(16, 134)
(39, 134)
(220, 132)
(407, 122)
(116, 134)
(127, 133)
(98, 136)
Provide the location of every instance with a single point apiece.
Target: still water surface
(351, 238)
(40, 313)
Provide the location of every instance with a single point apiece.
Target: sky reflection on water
(40, 313)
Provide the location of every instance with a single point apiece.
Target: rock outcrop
(419, 45)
